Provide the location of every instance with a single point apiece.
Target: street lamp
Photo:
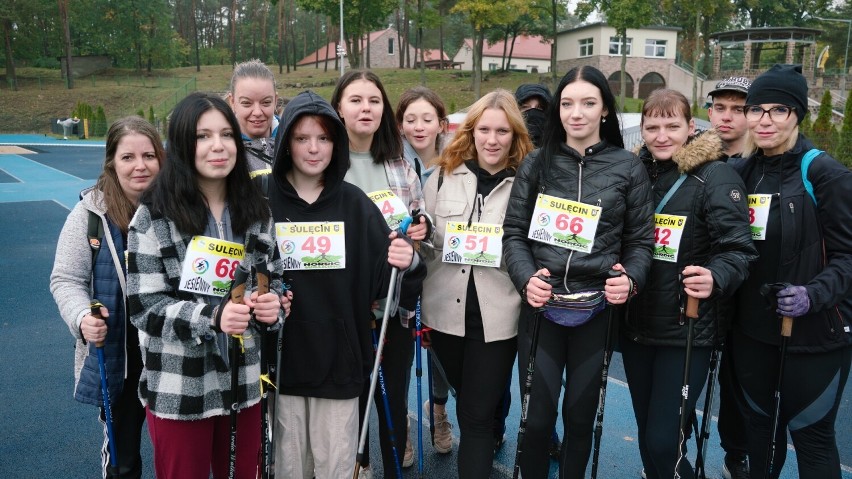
(846, 57)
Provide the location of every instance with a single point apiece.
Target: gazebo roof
(767, 35)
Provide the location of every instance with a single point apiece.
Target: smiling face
(136, 164)
(215, 147)
(773, 136)
(361, 108)
(421, 126)
(492, 136)
(665, 135)
(253, 102)
(311, 148)
(581, 110)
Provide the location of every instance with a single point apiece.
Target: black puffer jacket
(716, 235)
(610, 177)
(815, 250)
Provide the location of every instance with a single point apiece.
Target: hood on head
(529, 90)
(309, 103)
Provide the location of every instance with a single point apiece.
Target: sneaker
(642, 474)
(443, 430)
(408, 458)
(365, 473)
(735, 467)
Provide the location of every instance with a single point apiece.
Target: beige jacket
(445, 289)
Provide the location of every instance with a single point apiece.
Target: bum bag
(574, 309)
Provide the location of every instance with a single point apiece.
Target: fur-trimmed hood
(703, 147)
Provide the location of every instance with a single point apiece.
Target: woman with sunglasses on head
(802, 226)
(603, 249)
(702, 250)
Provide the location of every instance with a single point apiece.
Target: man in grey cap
(727, 117)
(726, 113)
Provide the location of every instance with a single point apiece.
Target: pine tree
(151, 114)
(99, 128)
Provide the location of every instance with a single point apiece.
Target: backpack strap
(440, 178)
(95, 231)
(671, 192)
(806, 163)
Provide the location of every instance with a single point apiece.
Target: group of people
(254, 243)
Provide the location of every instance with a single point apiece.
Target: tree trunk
(328, 41)
(11, 77)
(399, 32)
(293, 32)
(441, 40)
(405, 37)
(623, 78)
(420, 42)
(478, 41)
(195, 36)
(696, 53)
(66, 39)
(553, 77)
(511, 49)
(281, 38)
(367, 56)
(233, 21)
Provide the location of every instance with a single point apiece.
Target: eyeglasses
(776, 113)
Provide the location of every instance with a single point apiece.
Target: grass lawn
(42, 94)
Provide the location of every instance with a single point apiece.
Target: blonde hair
(750, 147)
(463, 147)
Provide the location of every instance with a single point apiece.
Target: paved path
(45, 433)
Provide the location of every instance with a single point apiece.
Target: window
(655, 48)
(492, 67)
(615, 45)
(390, 46)
(587, 47)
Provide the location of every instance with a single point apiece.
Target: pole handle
(691, 307)
(95, 307)
(786, 326)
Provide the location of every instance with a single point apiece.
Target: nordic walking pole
(525, 399)
(691, 315)
(266, 451)
(704, 435)
(604, 375)
(238, 289)
(273, 374)
(429, 357)
(386, 402)
(419, 372)
(95, 307)
(786, 331)
(362, 441)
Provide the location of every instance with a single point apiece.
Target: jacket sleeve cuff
(78, 331)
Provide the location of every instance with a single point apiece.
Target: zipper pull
(792, 209)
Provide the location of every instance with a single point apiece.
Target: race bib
(668, 229)
(308, 245)
(480, 244)
(758, 215)
(209, 265)
(391, 206)
(564, 223)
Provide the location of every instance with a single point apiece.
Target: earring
(603, 120)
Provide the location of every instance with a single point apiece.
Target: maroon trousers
(192, 449)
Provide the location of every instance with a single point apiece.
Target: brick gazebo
(751, 51)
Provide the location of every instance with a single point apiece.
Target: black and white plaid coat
(185, 375)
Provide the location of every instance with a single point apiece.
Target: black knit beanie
(782, 84)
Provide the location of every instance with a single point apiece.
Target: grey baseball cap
(733, 84)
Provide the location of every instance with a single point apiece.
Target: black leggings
(578, 353)
(810, 396)
(732, 425)
(478, 371)
(397, 357)
(655, 376)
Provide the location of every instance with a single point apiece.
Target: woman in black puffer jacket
(703, 248)
(583, 161)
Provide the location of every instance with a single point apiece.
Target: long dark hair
(554, 133)
(175, 193)
(387, 141)
(118, 207)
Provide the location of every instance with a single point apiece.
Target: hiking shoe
(365, 473)
(408, 458)
(735, 467)
(642, 474)
(443, 430)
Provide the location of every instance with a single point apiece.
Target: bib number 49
(321, 244)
